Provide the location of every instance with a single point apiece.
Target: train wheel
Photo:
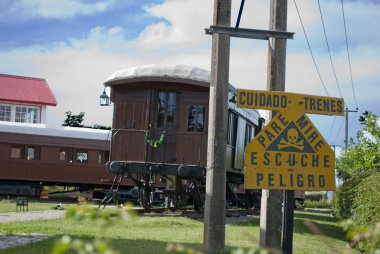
(145, 199)
(145, 195)
(248, 200)
(198, 197)
(198, 203)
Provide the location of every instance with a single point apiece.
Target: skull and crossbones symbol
(292, 140)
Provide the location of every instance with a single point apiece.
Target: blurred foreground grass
(313, 233)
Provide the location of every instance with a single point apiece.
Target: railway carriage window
(103, 157)
(196, 118)
(231, 129)
(17, 151)
(81, 155)
(248, 134)
(66, 154)
(33, 152)
(5, 113)
(167, 103)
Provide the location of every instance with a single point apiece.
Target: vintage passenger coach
(159, 139)
(33, 156)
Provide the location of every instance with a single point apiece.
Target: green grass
(10, 206)
(318, 204)
(152, 234)
(7, 206)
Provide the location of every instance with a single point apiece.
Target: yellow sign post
(289, 153)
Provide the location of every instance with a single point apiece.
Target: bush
(344, 196)
(366, 205)
(317, 204)
(315, 195)
(359, 197)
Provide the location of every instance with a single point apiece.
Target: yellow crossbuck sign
(290, 153)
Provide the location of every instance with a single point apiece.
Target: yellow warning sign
(274, 100)
(289, 153)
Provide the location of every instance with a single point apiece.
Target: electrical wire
(316, 67)
(352, 120)
(340, 128)
(311, 52)
(331, 130)
(348, 55)
(328, 48)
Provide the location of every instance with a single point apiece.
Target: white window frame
(5, 111)
(28, 116)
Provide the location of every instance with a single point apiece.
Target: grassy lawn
(152, 234)
(7, 206)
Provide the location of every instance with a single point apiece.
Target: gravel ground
(8, 241)
(36, 215)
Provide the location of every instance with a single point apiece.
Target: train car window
(172, 101)
(66, 154)
(33, 152)
(248, 134)
(17, 151)
(196, 118)
(81, 155)
(231, 129)
(5, 113)
(167, 104)
(103, 157)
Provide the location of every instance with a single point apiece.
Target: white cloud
(183, 27)
(59, 9)
(76, 70)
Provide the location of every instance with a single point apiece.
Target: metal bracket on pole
(249, 33)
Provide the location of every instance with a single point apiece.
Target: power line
(316, 67)
(328, 48)
(331, 130)
(348, 55)
(311, 52)
(346, 126)
(340, 128)
(352, 120)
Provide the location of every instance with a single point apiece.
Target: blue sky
(76, 45)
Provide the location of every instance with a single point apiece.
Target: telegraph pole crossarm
(249, 33)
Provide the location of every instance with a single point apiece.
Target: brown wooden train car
(67, 156)
(160, 125)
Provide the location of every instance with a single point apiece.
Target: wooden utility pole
(346, 126)
(215, 204)
(271, 200)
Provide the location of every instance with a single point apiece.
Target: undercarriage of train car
(169, 185)
(179, 185)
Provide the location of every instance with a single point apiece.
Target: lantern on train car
(104, 99)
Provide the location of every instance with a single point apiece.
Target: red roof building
(24, 99)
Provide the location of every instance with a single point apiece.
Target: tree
(359, 168)
(365, 154)
(74, 120)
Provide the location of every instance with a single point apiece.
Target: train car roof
(161, 72)
(42, 130)
(173, 73)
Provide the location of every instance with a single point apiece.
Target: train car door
(163, 122)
